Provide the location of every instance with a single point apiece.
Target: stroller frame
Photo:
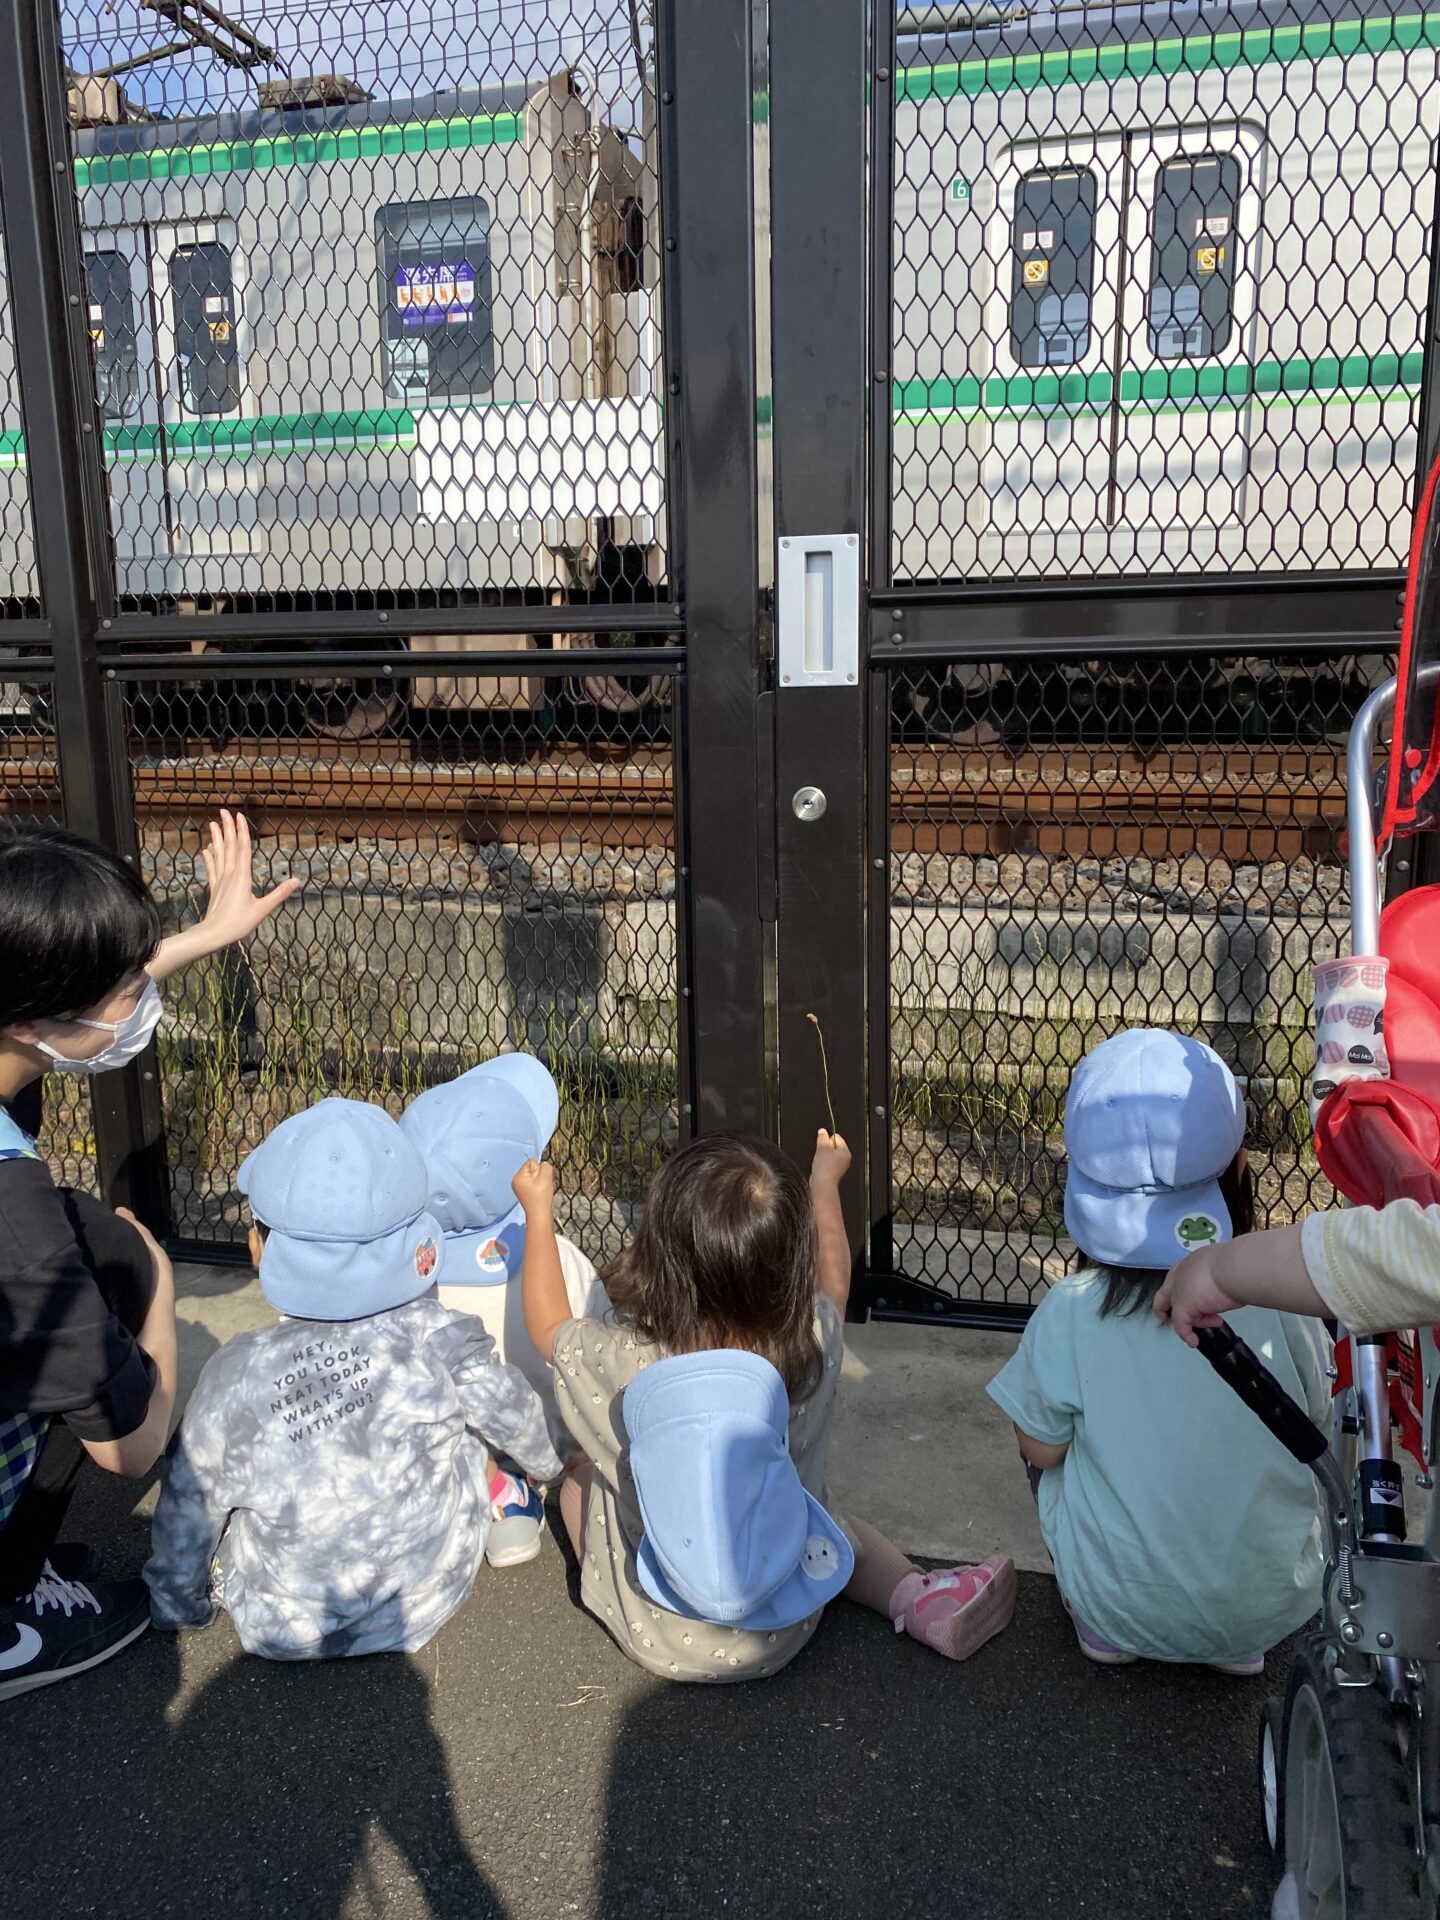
(1350, 1762)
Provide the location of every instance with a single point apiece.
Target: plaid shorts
(20, 1437)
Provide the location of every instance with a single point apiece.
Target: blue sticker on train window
(435, 295)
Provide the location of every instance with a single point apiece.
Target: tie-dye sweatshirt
(335, 1476)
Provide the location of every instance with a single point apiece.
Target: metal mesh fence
(19, 582)
(1160, 284)
(494, 870)
(30, 790)
(373, 303)
(1081, 848)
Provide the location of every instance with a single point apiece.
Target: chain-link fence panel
(19, 579)
(374, 303)
(492, 870)
(1080, 848)
(1160, 288)
(30, 790)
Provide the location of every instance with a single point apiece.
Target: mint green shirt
(1179, 1527)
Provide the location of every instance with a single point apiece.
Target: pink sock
(505, 1490)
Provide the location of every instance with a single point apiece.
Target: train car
(398, 350)
(1160, 287)
(1160, 278)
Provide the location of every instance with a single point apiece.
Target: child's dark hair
(75, 922)
(725, 1255)
(1129, 1289)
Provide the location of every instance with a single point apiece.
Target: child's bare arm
(1257, 1270)
(1040, 1454)
(542, 1280)
(828, 1168)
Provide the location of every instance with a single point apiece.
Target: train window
(1053, 248)
(202, 296)
(1192, 257)
(111, 318)
(438, 343)
(630, 253)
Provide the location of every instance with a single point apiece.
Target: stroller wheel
(1347, 1824)
(1269, 1764)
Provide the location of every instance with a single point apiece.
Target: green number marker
(960, 188)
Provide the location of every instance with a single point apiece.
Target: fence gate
(352, 473)
(700, 528)
(1124, 390)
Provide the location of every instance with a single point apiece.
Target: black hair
(75, 923)
(1130, 1289)
(725, 1256)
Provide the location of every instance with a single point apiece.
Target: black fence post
(818, 113)
(706, 143)
(68, 502)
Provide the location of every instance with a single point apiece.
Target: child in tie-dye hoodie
(329, 1485)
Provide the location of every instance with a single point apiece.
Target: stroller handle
(1365, 733)
(1253, 1381)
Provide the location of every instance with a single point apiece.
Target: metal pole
(819, 66)
(68, 503)
(709, 275)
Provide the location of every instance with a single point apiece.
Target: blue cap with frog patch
(1151, 1122)
(474, 1135)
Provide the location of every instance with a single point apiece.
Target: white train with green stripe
(1160, 277)
(1160, 283)
(404, 346)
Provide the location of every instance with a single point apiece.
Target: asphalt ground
(520, 1766)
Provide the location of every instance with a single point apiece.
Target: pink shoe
(956, 1611)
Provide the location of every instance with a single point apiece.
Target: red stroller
(1350, 1761)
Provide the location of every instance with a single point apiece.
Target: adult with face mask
(87, 1297)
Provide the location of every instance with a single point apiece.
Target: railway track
(1068, 802)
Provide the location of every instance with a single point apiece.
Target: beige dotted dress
(594, 1362)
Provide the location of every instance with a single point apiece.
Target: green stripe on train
(271, 433)
(1192, 53)
(1377, 375)
(327, 148)
(1362, 378)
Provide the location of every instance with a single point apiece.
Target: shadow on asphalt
(519, 1766)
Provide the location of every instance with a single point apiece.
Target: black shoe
(65, 1627)
(74, 1561)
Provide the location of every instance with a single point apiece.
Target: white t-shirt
(1180, 1528)
(499, 1307)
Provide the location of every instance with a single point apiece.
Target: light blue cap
(344, 1196)
(1152, 1120)
(474, 1134)
(731, 1536)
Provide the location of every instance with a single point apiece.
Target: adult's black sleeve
(62, 1350)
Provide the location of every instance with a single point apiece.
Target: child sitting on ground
(1180, 1529)
(706, 1538)
(334, 1467)
(474, 1134)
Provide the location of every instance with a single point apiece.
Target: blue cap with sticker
(1151, 1122)
(731, 1536)
(343, 1194)
(474, 1134)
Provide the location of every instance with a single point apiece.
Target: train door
(1187, 321)
(122, 354)
(198, 278)
(1045, 404)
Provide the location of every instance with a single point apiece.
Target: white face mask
(131, 1036)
